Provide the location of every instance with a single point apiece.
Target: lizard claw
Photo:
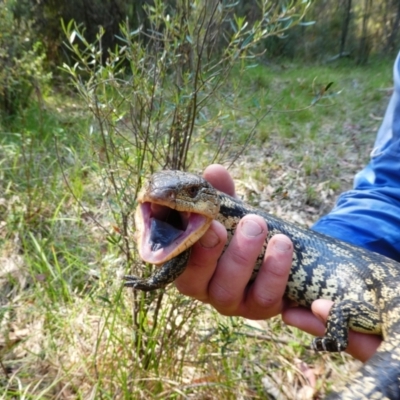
(326, 344)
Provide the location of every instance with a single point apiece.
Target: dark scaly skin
(365, 287)
(168, 272)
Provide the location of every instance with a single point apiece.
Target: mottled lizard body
(176, 208)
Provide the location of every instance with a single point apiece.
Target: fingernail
(282, 245)
(251, 228)
(209, 240)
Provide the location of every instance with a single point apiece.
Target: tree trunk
(345, 26)
(365, 47)
(395, 30)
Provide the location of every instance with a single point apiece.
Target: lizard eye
(192, 191)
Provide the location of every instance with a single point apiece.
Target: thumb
(321, 308)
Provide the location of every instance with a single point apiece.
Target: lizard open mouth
(166, 232)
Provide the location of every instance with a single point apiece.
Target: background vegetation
(355, 28)
(93, 97)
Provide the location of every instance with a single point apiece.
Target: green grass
(67, 328)
(310, 136)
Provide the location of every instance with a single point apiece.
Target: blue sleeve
(369, 215)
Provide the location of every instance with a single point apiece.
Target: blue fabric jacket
(369, 215)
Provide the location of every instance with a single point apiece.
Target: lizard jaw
(163, 232)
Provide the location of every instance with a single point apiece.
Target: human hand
(222, 281)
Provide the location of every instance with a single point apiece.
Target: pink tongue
(162, 234)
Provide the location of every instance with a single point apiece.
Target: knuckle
(265, 300)
(223, 299)
(187, 290)
(279, 272)
(194, 294)
(240, 257)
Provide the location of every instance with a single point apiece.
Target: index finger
(203, 261)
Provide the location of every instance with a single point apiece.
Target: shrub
(21, 62)
(159, 100)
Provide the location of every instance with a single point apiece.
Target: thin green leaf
(72, 37)
(308, 23)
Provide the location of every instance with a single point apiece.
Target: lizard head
(175, 209)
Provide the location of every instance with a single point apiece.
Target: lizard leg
(168, 272)
(357, 315)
